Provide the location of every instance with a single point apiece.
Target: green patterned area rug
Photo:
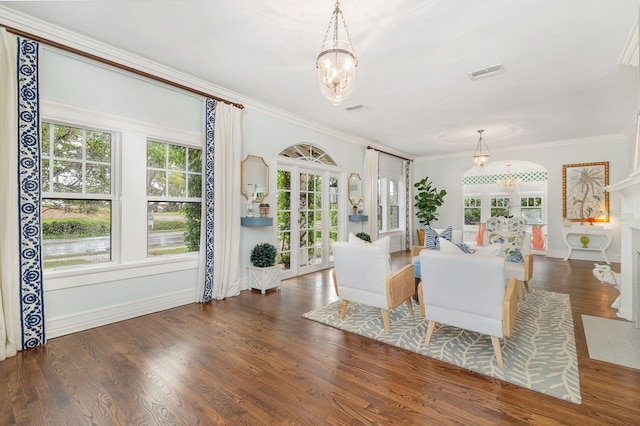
(541, 355)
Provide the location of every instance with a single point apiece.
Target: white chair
(363, 274)
(522, 271)
(468, 292)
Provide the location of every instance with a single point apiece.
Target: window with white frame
(500, 206)
(77, 195)
(531, 209)
(472, 210)
(174, 188)
(390, 203)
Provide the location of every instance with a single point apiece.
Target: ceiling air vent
(355, 108)
(486, 72)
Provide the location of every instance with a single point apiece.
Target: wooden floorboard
(253, 360)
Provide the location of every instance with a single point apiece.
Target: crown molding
(29, 24)
(540, 146)
(629, 54)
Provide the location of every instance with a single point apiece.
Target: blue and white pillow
(431, 237)
(515, 257)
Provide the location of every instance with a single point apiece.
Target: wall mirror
(355, 189)
(254, 178)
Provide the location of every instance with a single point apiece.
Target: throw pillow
(465, 248)
(516, 257)
(490, 250)
(447, 246)
(356, 240)
(383, 242)
(431, 237)
(510, 241)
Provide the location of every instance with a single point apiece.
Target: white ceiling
(560, 82)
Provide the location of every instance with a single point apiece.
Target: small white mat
(614, 341)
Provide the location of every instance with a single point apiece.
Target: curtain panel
(408, 204)
(219, 267)
(370, 192)
(22, 322)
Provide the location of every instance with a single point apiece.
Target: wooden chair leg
(385, 318)
(430, 328)
(526, 285)
(343, 308)
(497, 349)
(410, 306)
(420, 300)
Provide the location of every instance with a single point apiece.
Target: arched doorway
(483, 197)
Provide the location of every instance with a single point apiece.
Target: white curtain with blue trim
(21, 293)
(370, 192)
(219, 271)
(9, 282)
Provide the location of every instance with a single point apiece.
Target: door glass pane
(284, 219)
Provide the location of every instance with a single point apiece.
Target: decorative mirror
(355, 189)
(254, 178)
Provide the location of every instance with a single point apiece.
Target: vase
(584, 240)
(482, 227)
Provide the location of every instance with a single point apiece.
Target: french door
(308, 216)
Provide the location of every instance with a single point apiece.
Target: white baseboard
(60, 326)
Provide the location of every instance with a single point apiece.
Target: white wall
(82, 92)
(446, 173)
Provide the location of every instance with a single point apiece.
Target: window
(531, 209)
(472, 210)
(77, 195)
(174, 188)
(500, 206)
(389, 204)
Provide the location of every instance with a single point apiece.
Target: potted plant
(427, 202)
(264, 210)
(364, 236)
(264, 274)
(264, 255)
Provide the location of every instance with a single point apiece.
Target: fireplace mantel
(629, 190)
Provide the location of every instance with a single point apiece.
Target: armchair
(362, 274)
(511, 233)
(467, 292)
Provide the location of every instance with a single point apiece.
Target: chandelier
(337, 61)
(508, 183)
(481, 157)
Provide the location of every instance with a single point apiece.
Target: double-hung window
(77, 195)
(174, 188)
(389, 203)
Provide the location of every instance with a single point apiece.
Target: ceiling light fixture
(336, 62)
(508, 184)
(481, 157)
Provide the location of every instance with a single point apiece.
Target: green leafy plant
(263, 255)
(364, 236)
(427, 201)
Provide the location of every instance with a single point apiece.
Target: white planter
(264, 278)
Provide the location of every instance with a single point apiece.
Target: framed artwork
(584, 198)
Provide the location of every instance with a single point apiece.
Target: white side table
(599, 239)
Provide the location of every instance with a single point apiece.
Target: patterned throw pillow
(516, 257)
(431, 237)
(511, 241)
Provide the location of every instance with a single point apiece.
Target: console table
(599, 239)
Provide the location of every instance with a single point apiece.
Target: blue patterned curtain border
(408, 200)
(208, 201)
(29, 191)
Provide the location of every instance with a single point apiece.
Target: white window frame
(129, 208)
(384, 201)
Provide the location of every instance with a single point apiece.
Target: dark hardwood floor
(253, 360)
